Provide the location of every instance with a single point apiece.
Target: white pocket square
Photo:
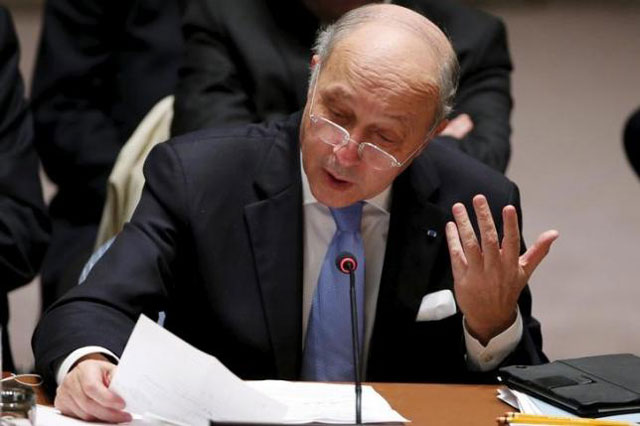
(436, 306)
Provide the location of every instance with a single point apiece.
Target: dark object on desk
(589, 387)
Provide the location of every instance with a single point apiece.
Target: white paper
(327, 403)
(159, 373)
(507, 396)
(162, 375)
(49, 416)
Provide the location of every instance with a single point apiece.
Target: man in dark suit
(101, 66)
(232, 226)
(24, 227)
(247, 60)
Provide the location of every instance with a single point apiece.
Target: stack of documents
(530, 405)
(161, 376)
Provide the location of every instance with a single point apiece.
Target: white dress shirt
(318, 229)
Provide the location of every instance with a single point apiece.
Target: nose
(347, 153)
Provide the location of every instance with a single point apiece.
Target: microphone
(347, 264)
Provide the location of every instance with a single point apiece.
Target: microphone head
(346, 262)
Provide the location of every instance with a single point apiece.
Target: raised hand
(490, 275)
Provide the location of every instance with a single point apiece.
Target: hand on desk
(489, 276)
(84, 392)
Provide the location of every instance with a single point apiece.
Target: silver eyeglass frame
(393, 161)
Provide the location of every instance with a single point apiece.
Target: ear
(443, 124)
(315, 60)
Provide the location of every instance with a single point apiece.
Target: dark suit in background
(248, 61)
(101, 66)
(24, 227)
(631, 139)
(216, 243)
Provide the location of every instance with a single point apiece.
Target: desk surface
(446, 405)
(431, 404)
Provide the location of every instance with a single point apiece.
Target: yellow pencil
(534, 419)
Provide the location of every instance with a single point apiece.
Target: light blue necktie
(328, 353)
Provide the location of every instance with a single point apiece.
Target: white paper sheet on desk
(160, 374)
(327, 403)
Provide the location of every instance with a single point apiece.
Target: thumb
(534, 255)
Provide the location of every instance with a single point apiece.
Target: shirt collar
(382, 201)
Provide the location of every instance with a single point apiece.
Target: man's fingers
(84, 394)
(71, 401)
(470, 245)
(532, 258)
(458, 261)
(92, 381)
(67, 405)
(89, 405)
(488, 233)
(511, 235)
(100, 412)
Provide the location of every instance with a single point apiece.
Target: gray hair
(447, 80)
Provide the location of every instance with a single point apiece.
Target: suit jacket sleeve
(485, 94)
(23, 223)
(211, 89)
(133, 277)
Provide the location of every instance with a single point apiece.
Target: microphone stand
(356, 346)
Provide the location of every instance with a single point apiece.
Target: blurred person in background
(632, 140)
(100, 67)
(24, 227)
(247, 61)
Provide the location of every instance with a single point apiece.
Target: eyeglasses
(335, 135)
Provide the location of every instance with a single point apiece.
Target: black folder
(589, 387)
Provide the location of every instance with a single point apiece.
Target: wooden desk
(430, 404)
(444, 405)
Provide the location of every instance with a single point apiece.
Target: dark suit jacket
(24, 228)
(101, 66)
(631, 140)
(248, 61)
(216, 242)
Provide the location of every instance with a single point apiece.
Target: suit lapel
(415, 241)
(275, 228)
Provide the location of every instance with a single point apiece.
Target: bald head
(393, 44)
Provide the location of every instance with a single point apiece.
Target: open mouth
(336, 181)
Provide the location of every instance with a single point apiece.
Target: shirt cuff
(74, 356)
(485, 358)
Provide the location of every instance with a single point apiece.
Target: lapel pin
(431, 233)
